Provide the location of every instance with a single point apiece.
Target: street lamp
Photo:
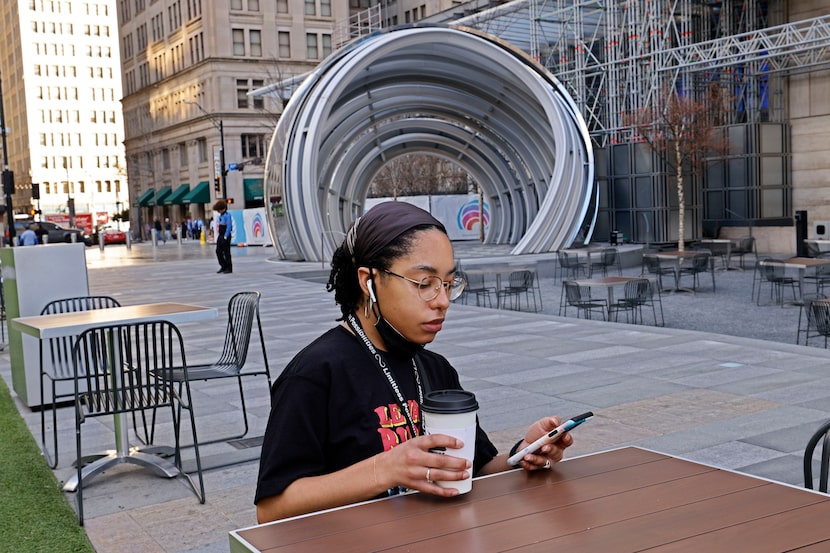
(224, 171)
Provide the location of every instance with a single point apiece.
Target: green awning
(199, 195)
(162, 194)
(177, 197)
(146, 199)
(254, 190)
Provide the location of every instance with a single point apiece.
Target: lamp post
(223, 173)
(7, 176)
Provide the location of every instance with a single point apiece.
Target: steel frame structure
(616, 56)
(454, 94)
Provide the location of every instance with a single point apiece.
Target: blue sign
(232, 166)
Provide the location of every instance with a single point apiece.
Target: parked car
(111, 236)
(56, 233)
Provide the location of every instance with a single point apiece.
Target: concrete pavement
(733, 402)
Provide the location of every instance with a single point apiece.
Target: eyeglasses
(430, 286)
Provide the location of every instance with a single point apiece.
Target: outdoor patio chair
(521, 283)
(580, 298)
(602, 260)
(804, 309)
(638, 293)
(58, 351)
(820, 278)
(775, 274)
(570, 264)
(746, 245)
(821, 435)
(243, 309)
(476, 287)
(653, 265)
(700, 264)
(121, 369)
(818, 320)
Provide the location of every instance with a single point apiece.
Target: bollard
(155, 239)
(179, 238)
(129, 243)
(101, 240)
(73, 237)
(45, 238)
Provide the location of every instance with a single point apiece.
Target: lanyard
(384, 369)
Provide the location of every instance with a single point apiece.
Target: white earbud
(370, 286)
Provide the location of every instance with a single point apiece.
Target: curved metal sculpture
(452, 93)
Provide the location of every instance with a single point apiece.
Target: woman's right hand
(406, 465)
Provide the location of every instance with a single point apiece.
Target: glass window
(282, 6)
(325, 8)
(284, 40)
(238, 42)
(256, 42)
(310, 7)
(312, 52)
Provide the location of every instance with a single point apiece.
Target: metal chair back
(126, 369)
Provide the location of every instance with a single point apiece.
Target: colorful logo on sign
(470, 215)
(258, 226)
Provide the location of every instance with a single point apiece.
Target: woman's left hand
(549, 453)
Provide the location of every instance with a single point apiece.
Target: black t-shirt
(332, 407)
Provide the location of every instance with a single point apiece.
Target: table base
(137, 456)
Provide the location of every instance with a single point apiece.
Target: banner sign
(250, 227)
(459, 213)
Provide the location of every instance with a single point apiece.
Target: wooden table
(618, 501)
(45, 327)
(802, 264)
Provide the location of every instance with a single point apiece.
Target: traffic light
(35, 191)
(217, 185)
(229, 201)
(8, 183)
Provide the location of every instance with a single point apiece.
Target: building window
(284, 40)
(325, 8)
(326, 45)
(282, 6)
(310, 8)
(312, 51)
(253, 146)
(201, 146)
(236, 4)
(255, 39)
(238, 42)
(165, 158)
(243, 87)
(182, 154)
(253, 5)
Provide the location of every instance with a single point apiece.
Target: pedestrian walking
(224, 231)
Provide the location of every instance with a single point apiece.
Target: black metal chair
(121, 369)
(746, 245)
(653, 265)
(580, 298)
(818, 320)
(700, 264)
(59, 366)
(476, 287)
(821, 435)
(521, 283)
(776, 274)
(243, 309)
(602, 260)
(570, 264)
(638, 293)
(804, 309)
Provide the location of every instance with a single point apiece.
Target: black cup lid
(450, 402)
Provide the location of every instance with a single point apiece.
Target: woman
(345, 422)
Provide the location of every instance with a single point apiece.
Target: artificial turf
(34, 515)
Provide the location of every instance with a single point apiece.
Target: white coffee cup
(453, 413)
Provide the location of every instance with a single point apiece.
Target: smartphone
(550, 437)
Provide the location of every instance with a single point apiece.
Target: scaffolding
(616, 56)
